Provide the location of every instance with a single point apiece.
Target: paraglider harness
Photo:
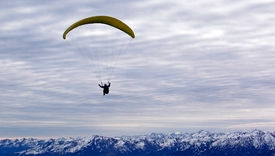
(105, 87)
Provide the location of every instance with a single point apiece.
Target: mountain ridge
(255, 142)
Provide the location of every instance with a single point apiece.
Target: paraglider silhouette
(105, 88)
(96, 57)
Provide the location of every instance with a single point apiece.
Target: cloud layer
(193, 65)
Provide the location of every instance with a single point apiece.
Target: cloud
(193, 65)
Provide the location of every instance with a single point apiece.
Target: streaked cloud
(193, 65)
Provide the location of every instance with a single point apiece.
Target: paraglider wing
(103, 20)
(101, 51)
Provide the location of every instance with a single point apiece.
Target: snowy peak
(152, 144)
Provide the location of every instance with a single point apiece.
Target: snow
(140, 145)
(176, 141)
(120, 143)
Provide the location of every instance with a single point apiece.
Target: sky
(193, 65)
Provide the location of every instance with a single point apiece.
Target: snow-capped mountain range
(202, 143)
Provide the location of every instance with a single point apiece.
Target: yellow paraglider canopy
(101, 52)
(103, 20)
